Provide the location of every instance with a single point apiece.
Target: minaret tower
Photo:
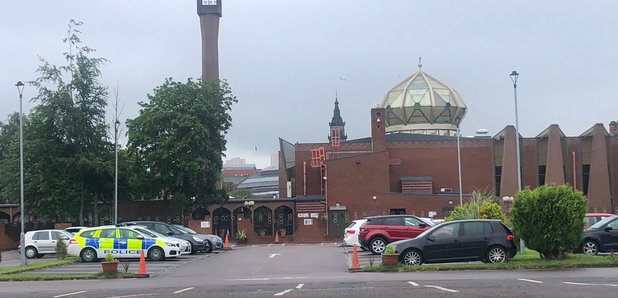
(337, 127)
(209, 12)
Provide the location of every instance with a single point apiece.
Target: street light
(514, 76)
(22, 242)
(459, 168)
(116, 124)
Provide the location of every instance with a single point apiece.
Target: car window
(602, 222)
(351, 225)
(129, 234)
(163, 229)
(43, 235)
(447, 231)
(87, 234)
(411, 221)
(393, 221)
(590, 220)
(613, 224)
(107, 233)
(55, 235)
(476, 228)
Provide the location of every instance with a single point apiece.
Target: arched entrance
(244, 212)
(221, 221)
(263, 221)
(5, 218)
(200, 214)
(284, 220)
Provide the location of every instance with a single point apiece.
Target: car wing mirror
(423, 225)
(431, 238)
(607, 229)
(170, 233)
(139, 237)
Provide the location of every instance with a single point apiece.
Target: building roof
(409, 137)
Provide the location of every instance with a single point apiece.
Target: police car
(185, 246)
(122, 242)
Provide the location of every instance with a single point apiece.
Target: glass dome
(422, 104)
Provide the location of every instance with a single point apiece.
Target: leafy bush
(549, 219)
(389, 250)
(109, 258)
(481, 205)
(61, 249)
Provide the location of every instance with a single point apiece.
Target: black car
(487, 240)
(197, 243)
(600, 237)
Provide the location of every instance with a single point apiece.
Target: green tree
(178, 140)
(482, 205)
(9, 160)
(549, 219)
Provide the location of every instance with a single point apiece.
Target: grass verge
(528, 260)
(25, 276)
(37, 265)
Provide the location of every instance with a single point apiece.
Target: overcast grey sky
(283, 59)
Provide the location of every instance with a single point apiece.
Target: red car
(379, 231)
(592, 218)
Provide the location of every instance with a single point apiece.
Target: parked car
(592, 218)
(600, 237)
(197, 243)
(74, 230)
(185, 246)
(121, 242)
(487, 240)
(429, 221)
(350, 237)
(41, 242)
(215, 241)
(378, 231)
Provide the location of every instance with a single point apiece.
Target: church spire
(337, 122)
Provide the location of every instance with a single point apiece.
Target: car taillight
(72, 241)
(509, 237)
(349, 231)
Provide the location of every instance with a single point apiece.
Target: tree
(177, 142)
(549, 219)
(9, 159)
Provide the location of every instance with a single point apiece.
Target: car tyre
(88, 255)
(412, 257)
(496, 254)
(31, 252)
(207, 246)
(377, 245)
(156, 254)
(39, 256)
(590, 247)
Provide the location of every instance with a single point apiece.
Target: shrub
(109, 258)
(389, 249)
(61, 249)
(549, 219)
(482, 205)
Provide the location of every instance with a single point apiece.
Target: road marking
(273, 255)
(530, 280)
(413, 283)
(441, 288)
(284, 278)
(249, 279)
(184, 290)
(578, 283)
(284, 292)
(299, 286)
(69, 294)
(136, 295)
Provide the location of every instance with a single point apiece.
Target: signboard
(308, 221)
(205, 224)
(315, 215)
(303, 215)
(209, 2)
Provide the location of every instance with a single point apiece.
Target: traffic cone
(141, 269)
(355, 265)
(226, 243)
(276, 237)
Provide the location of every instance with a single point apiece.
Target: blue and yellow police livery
(122, 242)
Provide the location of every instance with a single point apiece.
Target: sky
(286, 59)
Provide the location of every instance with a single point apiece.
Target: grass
(25, 276)
(36, 265)
(528, 260)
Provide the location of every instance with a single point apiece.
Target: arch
(246, 215)
(221, 221)
(263, 221)
(17, 217)
(5, 218)
(200, 213)
(284, 220)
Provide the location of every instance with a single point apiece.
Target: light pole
(116, 124)
(459, 169)
(514, 76)
(22, 242)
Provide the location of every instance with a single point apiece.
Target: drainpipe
(305, 178)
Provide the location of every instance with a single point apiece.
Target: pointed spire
(337, 121)
(420, 64)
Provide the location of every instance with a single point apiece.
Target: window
(87, 234)
(41, 235)
(498, 179)
(128, 234)
(392, 221)
(411, 221)
(585, 178)
(477, 228)
(447, 231)
(542, 169)
(398, 211)
(613, 224)
(161, 228)
(107, 233)
(55, 235)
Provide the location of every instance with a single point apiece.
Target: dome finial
(420, 64)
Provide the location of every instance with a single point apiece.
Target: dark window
(542, 169)
(41, 235)
(55, 235)
(107, 233)
(393, 221)
(398, 211)
(161, 228)
(585, 177)
(128, 234)
(498, 179)
(473, 228)
(87, 234)
(487, 229)
(447, 231)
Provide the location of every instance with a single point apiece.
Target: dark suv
(378, 231)
(486, 240)
(197, 243)
(601, 237)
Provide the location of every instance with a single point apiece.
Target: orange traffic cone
(276, 237)
(226, 244)
(141, 269)
(355, 265)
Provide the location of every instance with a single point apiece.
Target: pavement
(11, 258)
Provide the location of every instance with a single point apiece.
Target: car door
(414, 227)
(55, 237)
(42, 240)
(395, 228)
(474, 239)
(609, 236)
(107, 237)
(443, 243)
(130, 242)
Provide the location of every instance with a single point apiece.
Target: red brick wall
(5, 241)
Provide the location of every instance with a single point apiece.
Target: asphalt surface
(320, 270)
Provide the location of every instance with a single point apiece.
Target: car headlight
(170, 244)
(198, 239)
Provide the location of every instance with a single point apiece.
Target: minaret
(210, 13)
(337, 123)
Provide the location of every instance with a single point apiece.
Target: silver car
(41, 242)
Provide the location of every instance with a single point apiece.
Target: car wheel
(156, 254)
(191, 251)
(88, 255)
(496, 254)
(412, 257)
(31, 252)
(590, 247)
(39, 256)
(377, 245)
(207, 246)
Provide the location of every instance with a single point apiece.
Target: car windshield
(602, 222)
(149, 233)
(185, 229)
(428, 221)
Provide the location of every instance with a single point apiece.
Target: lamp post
(459, 168)
(514, 76)
(116, 124)
(22, 246)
